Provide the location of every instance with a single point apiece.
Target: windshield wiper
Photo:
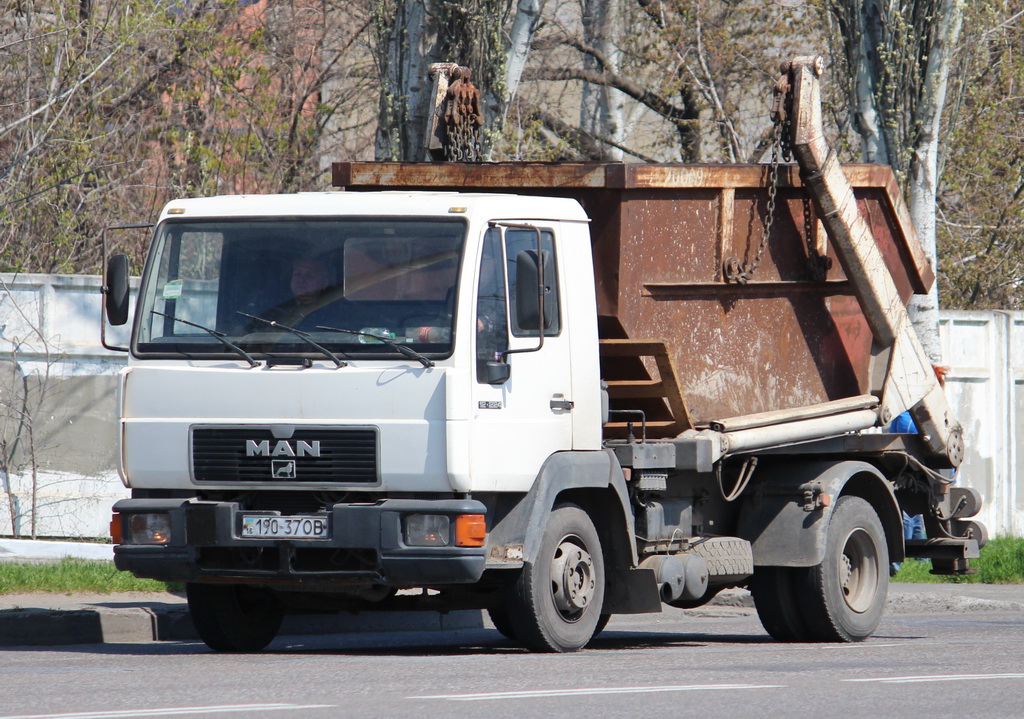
(219, 336)
(407, 351)
(304, 336)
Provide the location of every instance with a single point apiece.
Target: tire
(846, 592)
(499, 618)
(775, 593)
(601, 624)
(555, 605)
(234, 618)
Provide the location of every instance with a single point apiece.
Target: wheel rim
(572, 579)
(858, 571)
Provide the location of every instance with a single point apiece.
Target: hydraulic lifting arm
(909, 381)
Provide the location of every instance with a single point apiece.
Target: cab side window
(521, 253)
(491, 313)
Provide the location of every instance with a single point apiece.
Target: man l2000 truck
(554, 392)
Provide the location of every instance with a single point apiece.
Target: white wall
(76, 440)
(49, 340)
(985, 352)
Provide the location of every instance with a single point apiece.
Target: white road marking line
(171, 711)
(541, 693)
(932, 678)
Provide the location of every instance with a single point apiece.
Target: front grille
(342, 456)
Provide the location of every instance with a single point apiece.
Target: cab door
(522, 398)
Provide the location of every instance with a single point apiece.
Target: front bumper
(365, 545)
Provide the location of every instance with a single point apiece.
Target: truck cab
(320, 385)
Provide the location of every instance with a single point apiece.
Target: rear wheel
(556, 604)
(775, 594)
(846, 592)
(234, 618)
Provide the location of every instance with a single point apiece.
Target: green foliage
(73, 576)
(981, 203)
(1001, 562)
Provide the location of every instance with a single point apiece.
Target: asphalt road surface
(716, 662)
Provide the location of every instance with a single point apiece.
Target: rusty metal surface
(790, 337)
(457, 176)
(875, 186)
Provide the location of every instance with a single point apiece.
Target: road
(717, 664)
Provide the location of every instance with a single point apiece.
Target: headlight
(427, 530)
(150, 528)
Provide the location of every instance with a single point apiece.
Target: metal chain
(735, 269)
(820, 264)
(463, 141)
(463, 119)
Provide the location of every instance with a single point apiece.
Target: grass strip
(73, 576)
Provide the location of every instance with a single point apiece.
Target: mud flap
(631, 591)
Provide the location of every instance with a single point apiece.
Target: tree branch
(670, 111)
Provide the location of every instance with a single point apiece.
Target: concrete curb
(142, 624)
(54, 620)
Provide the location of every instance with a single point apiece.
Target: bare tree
(25, 388)
(109, 108)
(701, 67)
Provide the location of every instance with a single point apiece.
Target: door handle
(560, 402)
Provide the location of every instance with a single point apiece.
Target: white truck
(553, 392)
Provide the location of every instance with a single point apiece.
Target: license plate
(285, 527)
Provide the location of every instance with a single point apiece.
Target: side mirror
(496, 372)
(530, 287)
(115, 289)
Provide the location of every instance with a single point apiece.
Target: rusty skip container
(681, 341)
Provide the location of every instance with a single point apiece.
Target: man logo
(283, 448)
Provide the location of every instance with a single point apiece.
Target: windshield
(385, 278)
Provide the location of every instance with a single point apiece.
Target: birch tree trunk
(924, 165)
(406, 48)
(899, 55)
(524, 27)
(602, 108)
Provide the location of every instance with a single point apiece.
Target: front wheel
(233, 617)
(556, 604)
(846, 592)
(499, 618)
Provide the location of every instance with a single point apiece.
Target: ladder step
(651, 424)
(635, 388)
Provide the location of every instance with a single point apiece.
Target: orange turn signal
(470, 530)
(115, 528)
